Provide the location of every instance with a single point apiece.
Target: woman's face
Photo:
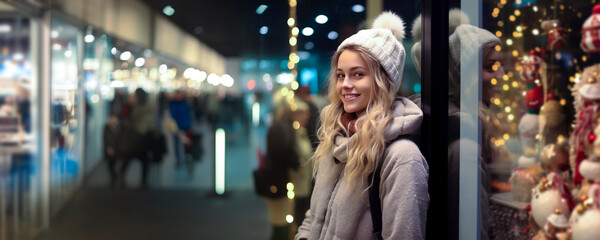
(492, 69)
(354, 81)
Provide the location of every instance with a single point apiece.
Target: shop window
(537, 117)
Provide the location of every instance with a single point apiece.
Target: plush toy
(557, 36)
(528, 131)
(585, 220)
(534, 99)
(586, 104)
(524, 177)
(556, 227)
(531, 67)
(550, 194)
(590, 41)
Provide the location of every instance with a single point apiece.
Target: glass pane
(66, 113)
(20, 164)
(531, 58)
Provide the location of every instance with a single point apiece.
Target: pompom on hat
(384, 41)
(590, 32)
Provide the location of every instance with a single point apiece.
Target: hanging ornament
(554, 158)
(530, 71)
(590, 33)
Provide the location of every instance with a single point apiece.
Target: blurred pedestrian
(111, 141)
(182, 114)
(141, 121)
(302, 177)
(281, 157)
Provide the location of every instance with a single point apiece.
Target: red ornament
(528, 208)
(591, 137)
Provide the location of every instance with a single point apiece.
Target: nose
(347, 83)
(499, 73)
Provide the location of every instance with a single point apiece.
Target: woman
(475, 43)
(366, 126)
(281, 157)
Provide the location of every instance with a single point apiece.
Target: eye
(340, 75)
(358, 74)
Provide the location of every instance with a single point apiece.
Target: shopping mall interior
(153, 119)
(69, 68)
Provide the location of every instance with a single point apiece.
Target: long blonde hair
(368, 144)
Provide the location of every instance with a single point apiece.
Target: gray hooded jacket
(336, 212)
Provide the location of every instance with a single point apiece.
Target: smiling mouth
(350, 97)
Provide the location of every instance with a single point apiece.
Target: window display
(543, 118)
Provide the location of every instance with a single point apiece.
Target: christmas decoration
(586, 105)
(524, 178)
(550, 194)
(585, 220)
(530, 71)
(590, 34)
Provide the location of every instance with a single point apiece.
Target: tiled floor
(176, 205)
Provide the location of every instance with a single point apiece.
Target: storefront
(521, 160)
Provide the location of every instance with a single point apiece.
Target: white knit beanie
(473, 38)
(384, 41)
(456, 17)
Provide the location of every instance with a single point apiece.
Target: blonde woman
(366, 127)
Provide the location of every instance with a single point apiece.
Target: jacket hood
(407, 121)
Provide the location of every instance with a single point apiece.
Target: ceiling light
(54, 34)
(168, 10)
(295, 31)
(89, 38)
(264, 30)
(291, 22)
(68, 53)
(140, 62)
(357, 8)
(261, 9)
(332, 35)
(125, 56)
(227, 80)
(56, 46)
(5, 28)
(113, 51)
(307, 31)
(163, 68)
(321, 19)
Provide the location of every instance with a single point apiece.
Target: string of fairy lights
(514, 28)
